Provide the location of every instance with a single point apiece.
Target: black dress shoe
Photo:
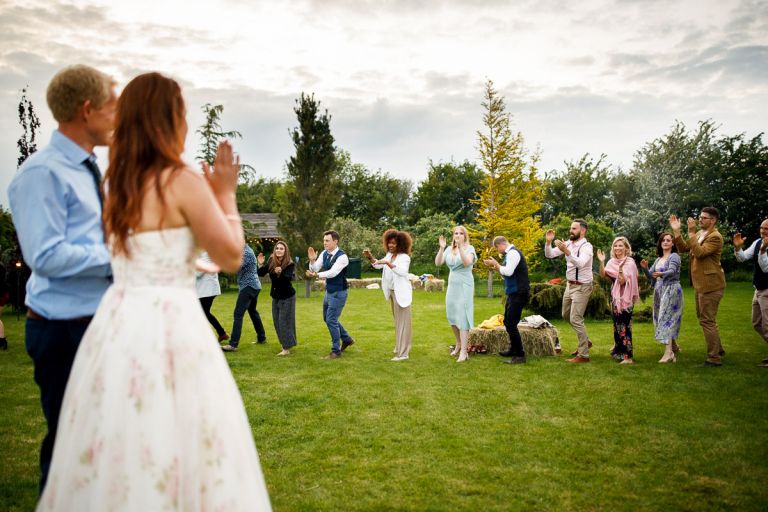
(346, 344)
(506, 353)
(516, 360)
(3, 344)
(707, 364)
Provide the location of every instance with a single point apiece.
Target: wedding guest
(622, 270)
(208, 288)
(578, 257)
(332, 266)
(707, 276)
(759, 251)
(247, 299)
(667, 295)
(5, 296)
(460, 257)
(517, 287)
(281, 269)
(141, 422)
(397, 287)
(56, 202)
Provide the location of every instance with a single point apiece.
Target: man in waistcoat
(517, 288)
(759, 251)
(56, 203)
(705, 247)
(332, 265)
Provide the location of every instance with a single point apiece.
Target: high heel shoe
(672, 359)
(462, 357)
(627, 360)
(455, 351)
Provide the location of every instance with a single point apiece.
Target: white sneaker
(399, 358)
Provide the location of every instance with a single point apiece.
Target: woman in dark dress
(281, 269)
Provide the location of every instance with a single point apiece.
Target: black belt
(34, 316)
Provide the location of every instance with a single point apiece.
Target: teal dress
(460, 298)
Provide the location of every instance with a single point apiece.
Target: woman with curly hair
(396, 285)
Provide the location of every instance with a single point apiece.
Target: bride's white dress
(152, 419)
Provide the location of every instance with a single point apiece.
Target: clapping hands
(441, 241)
(601, 256)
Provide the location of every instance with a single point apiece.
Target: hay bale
(434, 285)
(536, 342)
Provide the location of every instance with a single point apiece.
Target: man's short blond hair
(73, 86)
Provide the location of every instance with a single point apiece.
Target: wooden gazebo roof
(261, 225)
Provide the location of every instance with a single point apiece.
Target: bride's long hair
(150, 128)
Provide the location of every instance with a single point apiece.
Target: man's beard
(574, 237)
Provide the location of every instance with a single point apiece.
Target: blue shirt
(57, 214)
(247, 275)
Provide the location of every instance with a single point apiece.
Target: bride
(152, 418)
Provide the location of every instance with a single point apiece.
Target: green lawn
(365, 433)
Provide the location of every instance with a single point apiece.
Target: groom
(332, 266)
(56, 204)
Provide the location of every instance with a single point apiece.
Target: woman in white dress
(152, 418)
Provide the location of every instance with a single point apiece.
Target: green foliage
(29, 124)
(547, 300)
(8, 243)
(449, 188)
(425, 234)
(211, 133)
(259, 196)
(374, 198)
(583, 188)
(355, 237)
(511, 191)
(310, 194)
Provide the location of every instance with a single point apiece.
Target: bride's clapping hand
(226, 168)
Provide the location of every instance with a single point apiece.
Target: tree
(29, 124)
(259, 195)
(425, 235)
(449, 188)
(509, 199)
(374, 198)
(310, 193)
(584, 187)
(211, 133)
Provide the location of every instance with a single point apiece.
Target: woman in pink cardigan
(622, 270)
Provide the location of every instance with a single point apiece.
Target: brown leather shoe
(348, 343)
(576, 352)
(577, 359)
(224, 337)
(332, 355)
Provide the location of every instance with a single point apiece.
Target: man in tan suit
(707, 276)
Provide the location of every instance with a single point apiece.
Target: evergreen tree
(310, 194)
(511, 190)
(29, 124)
(211, 133)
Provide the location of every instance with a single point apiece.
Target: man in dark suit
(707, 276)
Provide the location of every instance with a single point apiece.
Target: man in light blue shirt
(56, 204)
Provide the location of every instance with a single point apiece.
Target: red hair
(150, 127)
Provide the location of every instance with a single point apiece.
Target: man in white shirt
(578, 257)
(332, 266)
(759, 251)
(517, 288)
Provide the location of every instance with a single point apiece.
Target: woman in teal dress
(460, 257)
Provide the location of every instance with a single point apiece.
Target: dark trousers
(622, 332)
(246, 301)
(206, 303)
(52, 345)
(513, 310)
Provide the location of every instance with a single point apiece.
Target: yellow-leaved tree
(511, 189)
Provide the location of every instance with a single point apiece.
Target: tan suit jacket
(706, 273)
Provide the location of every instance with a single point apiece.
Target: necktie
(326, 261)
(94, 170)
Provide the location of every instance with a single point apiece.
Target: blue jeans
(246, 301)
(52, 345)
(333, 304)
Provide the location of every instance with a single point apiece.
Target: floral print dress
(152, 418)
(667, 298)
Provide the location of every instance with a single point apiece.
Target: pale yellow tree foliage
(510, 197)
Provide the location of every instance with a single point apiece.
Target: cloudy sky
(403, 79)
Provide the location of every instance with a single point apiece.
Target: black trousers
(246, 301)
(52, 345)
(206, 303)
(513, 310)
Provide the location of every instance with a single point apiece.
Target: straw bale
(536, 342)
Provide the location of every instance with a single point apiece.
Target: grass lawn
(365, 433)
